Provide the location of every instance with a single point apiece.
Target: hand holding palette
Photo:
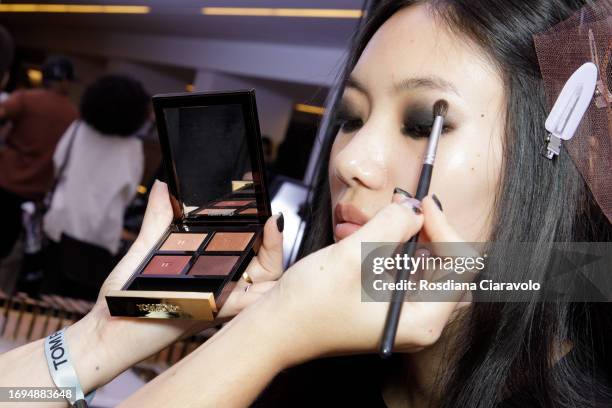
(214, 161)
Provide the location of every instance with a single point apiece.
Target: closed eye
(419, 130)
(347, 120)
(349, 125)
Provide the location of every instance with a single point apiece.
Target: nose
(362, 161)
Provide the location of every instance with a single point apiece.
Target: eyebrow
(429, 82)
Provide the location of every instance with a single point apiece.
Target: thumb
(445, 240)
(157, 216)
(436, 224)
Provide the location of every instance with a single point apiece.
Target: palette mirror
(212, 162)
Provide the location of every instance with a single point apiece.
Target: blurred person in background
(99, 164)
(38, 119)
(7, 54)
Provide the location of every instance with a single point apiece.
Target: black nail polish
(398, 190)
(280, 222)
(437, 201)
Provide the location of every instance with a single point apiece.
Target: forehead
(415, 43)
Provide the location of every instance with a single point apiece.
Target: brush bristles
(440, 108)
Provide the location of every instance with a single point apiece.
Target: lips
(348, 219)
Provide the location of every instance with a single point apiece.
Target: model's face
(386, 115)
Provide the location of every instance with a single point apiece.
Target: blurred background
(65, 62)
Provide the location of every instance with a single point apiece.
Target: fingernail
(280, 222)
(80, 404)
(437, 201)
(412, 203)
(398, 190)
(154, 186)
(158, 183)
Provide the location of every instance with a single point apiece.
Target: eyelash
(349, 123)
(416, 131)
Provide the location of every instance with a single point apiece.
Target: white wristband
(61, 368)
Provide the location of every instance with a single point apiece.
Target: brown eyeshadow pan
(180, 241)
(229, 241)
(249, 211)
(166, 265)
(211, 265)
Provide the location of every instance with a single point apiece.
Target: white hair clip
(570, 107)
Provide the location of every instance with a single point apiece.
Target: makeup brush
(440, 109)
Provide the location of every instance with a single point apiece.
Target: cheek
(406, 161)
(335, 185)
(466, 178)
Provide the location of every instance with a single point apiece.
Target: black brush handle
(424, 180)
(397, 298)
(397, 301)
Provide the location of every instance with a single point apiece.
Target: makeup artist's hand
(122, 342)
(318, 300)
(315, 310)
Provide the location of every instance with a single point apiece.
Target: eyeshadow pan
(217, 211)
(249, 211)
(180, 241)
(210, 265)
(233, 203)
(229, 241)
(166, 265)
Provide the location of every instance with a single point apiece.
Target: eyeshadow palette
(212, 153)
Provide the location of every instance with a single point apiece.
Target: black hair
(7, 50)
(503, 348)
(115, 105)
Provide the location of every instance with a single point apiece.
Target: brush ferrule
(434, 137)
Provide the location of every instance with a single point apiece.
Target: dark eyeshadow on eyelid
(345, 109)
(420, 117)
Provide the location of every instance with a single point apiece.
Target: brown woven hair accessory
(585, 36)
